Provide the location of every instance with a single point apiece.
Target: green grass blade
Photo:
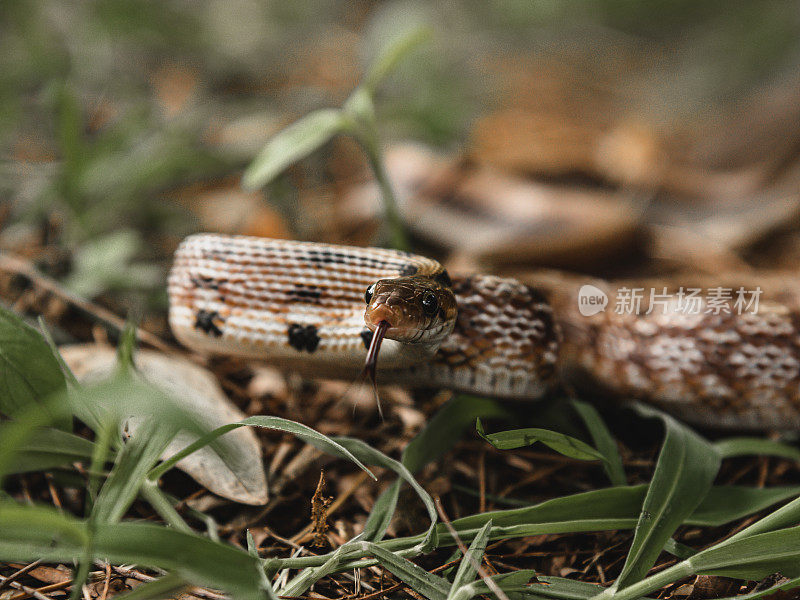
(441, 433)
(726, 503)
(32, 532)
(786, 516)
(295, 142)
(303, 432)
(15, 434)
(745, 446)
(68, 374)
(753, 557)
(374, 457)
(603, 441)
(515, 581)
(519, 438)
(390, 56)
(166, 586)
(565, 589)
(785, 587)
(382, 512)
(685, 470)
(48, 448)
(134, 461)
(623, 502)
(678, 550)
(447, 427)
(418, 579)
(466, 570)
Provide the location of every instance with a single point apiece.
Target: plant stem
(397, 232)
(163, 506)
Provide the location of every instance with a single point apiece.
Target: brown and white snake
(301, 306)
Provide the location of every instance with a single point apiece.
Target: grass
(680, 492)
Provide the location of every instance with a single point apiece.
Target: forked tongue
(371, 363)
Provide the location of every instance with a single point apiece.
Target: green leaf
(125, 481)
(726, 503)
(685, 470)
(68, 374)
(27, 531)
(29, 372)
(31, 533)
(107, 263)
(466, 571)
(16, 434)
(753, 557)
(561, 443)
(361, 109)
(389, 58)
(295, 142)
(603, 441)
(786, 516)
(745, 446)
(48, 448)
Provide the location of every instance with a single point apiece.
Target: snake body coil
(301, 305)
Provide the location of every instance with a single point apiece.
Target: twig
(19, 573)
(28, 592)
(106, 582)
(20, 266)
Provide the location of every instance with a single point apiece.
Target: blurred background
(609, 137)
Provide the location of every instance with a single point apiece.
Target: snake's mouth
(374, 347)
(398, 326)
(382, 313)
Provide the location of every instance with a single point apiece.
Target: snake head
(418, 309)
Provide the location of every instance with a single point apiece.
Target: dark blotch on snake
(206, 283)
(328, 257)
(304, 293)
(408, 269)
(303, 338)
(366, 337)
(204, 321)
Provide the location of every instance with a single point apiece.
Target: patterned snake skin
(300, 305)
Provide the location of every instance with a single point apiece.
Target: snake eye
(368, 293)
(429, 304)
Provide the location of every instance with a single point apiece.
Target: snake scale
(315, 308)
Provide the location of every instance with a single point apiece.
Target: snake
(327, 310)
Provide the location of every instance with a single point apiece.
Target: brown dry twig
(19, 266)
